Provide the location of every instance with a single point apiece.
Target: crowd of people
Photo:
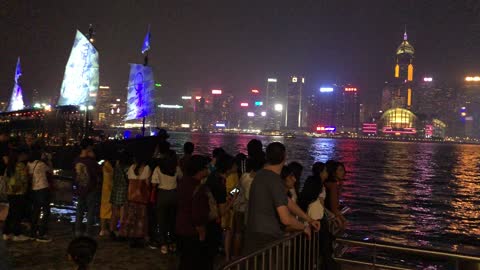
(197, 206)
(25, 175)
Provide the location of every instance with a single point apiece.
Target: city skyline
(325, 42)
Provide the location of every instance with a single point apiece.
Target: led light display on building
(263, 113)
(255, 91)
(166, 106)
(272, 80)
(326, 89)
(250, 114)
(473, 79)
(326, 129)
(186, 97)
(216, 92)
(410, 72)
(350, 89)
(244, 104)
(278, 107)
(369, 128)
(220, 125)
(258, 103)
(428, 79)
(428, 131)
(409, 97)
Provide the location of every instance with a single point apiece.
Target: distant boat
(289, 135)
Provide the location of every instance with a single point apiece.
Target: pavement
(110, 254)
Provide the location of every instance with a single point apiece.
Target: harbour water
(418, 194)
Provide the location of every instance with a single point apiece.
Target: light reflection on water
(408, 193)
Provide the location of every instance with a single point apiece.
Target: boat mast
(91, 33)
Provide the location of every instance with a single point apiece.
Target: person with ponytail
(82, 252)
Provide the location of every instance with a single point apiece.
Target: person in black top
(216, 181)
(297, 170)
(4, 150)
(313, 185)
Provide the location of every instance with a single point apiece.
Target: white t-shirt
(246, 182)
(164, 181)
(38, 169)
(144, 175)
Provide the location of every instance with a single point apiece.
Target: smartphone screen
(101, 162)
(235, 190)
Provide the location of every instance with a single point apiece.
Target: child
(82, 251)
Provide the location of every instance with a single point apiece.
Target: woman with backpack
(39, 172)
(17, 187)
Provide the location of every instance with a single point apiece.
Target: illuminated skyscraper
(399, 94)
(272, 101)
(325, 110)
(468, 109)
(348, 109)
(294, 108)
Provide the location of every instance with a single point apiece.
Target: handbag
(334, 226)
(315, 210)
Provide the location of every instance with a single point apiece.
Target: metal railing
(295, 252)
(461, 260)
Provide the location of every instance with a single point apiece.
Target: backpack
(212, 203)
(82, 178)
(18, 183)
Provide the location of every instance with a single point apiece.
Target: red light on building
(216, 92)
(350, 89)
(369, 128)
(255, 91)
(244, 104)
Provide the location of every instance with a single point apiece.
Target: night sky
(212, 44)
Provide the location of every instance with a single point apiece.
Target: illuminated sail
(80, 82)
(140, 89)
(16, 101)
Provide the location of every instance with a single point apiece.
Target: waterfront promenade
(110, 254)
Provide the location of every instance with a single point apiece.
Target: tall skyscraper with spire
(399, 94)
